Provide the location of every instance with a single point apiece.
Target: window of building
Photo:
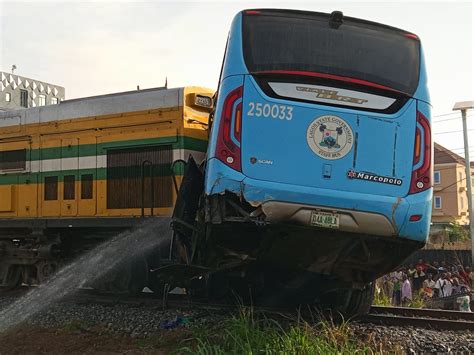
(69, 187)
(13, 160)
(50, 188)
(8, 97)
(54, 101)
(86, 186)
(437, 202)
(23, 98)
(437, 177)
(41, 100)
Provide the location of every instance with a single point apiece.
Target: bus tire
(360, 301)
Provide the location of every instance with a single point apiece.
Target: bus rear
(322, 127)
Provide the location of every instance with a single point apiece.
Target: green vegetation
(381, 299)
(456, 232)
(416, 302)
(248, 333)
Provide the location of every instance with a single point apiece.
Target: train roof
(129, 101)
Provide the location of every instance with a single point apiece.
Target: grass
(248, 333)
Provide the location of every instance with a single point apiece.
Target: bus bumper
(359, 213)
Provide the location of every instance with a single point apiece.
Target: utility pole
(463, 107)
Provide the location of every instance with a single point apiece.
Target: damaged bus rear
(319, 166)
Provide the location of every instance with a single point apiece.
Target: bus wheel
(360, 301)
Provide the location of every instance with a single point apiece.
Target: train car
(78, 172)
(318, 176)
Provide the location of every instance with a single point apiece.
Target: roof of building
(443, 155)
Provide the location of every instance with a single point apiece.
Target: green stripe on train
(97, 174)
(86, 150)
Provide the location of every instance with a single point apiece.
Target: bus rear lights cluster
(421, 177)
(228, 151)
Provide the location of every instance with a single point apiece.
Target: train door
(69, 174)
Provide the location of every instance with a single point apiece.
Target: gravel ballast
(144, 322)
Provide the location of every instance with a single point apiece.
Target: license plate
(325, 219)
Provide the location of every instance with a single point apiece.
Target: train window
(13, 159)
(86, 186)
(69, 187)
(51, 188)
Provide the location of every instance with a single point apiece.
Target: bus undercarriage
(225, 246)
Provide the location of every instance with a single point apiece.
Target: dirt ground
(75, 340)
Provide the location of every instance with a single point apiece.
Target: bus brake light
(227, 151)
(421, 178)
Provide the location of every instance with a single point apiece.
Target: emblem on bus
(330, 137)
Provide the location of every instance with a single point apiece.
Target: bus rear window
(358, 50)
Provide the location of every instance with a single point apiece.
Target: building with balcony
(18, 92)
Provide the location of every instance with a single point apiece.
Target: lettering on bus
(330, 137)
(359, 175)
(282, 112)
(331, 95)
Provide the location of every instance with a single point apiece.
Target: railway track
(421, 318)
(386, 316)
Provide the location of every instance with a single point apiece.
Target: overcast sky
(94, 48)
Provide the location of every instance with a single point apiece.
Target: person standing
(397, 288)
(418, 276)
(443, 286)
(428, 286)
(465, 274)
(406, 291)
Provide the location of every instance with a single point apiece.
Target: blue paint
(385, 144)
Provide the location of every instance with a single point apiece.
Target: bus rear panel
(322, 129)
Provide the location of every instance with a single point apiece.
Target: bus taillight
(421, 178)
(227, 150)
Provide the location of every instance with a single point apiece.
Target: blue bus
(319, 166)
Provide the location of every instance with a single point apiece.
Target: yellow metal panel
(87, 207)
(28, 200)
(6, 198)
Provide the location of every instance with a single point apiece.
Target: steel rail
(422, 312)
(419, 322)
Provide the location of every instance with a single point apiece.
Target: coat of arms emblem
(330, 137)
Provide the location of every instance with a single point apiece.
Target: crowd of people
(429, 280)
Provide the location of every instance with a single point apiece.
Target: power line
(451, 119)
(456, 131)
(447, 114)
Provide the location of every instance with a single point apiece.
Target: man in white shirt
(444, 285)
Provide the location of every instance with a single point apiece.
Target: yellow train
(74, 173)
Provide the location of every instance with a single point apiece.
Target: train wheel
(44, 270)
(13, 278)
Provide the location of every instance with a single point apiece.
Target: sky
(99, 47)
